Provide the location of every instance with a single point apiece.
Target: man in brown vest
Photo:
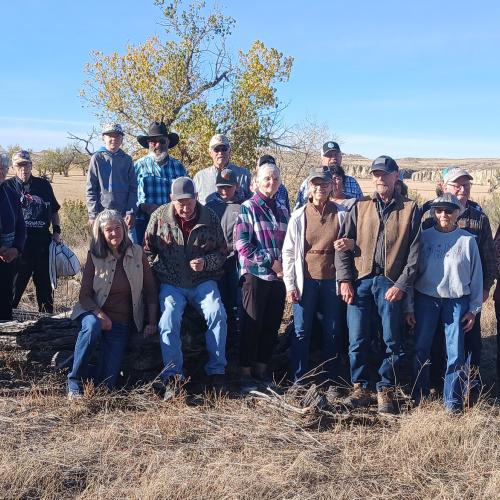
(375, 277)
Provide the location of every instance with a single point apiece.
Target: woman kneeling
(110, 302)
(448, 288)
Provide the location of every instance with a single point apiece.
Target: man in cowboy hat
(219, 150)
(155, 173)
(111, 179)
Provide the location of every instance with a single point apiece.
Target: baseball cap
(266, 159)
(447, 200)
(329, 146)
(218, 140)
(183, 187)
(453, 173)
(110, 128)
(21, 157)
(226, 177)
(322, 173)
(384, 163)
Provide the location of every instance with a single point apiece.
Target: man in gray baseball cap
(186, 248)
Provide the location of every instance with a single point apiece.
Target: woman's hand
(277, 267)
(106, 323)
(410, 320)
(292, 297)
(394, 294)
(150, 329)
(468, 321)
(343, 244)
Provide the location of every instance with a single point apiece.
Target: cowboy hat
(158, 129)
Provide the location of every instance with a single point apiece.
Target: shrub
(74, 219)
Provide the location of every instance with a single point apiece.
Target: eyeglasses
(457, 187)
(157, 140)
(447, 211)
(221, 149)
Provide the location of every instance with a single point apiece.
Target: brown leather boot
(385, 400)
(359, 397)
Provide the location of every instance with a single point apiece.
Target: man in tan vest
(374, 278)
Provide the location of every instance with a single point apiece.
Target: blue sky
(387, 77)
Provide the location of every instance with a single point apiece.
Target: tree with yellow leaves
(189, 79)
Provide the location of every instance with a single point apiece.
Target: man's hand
(150, 329)
(7, 255)
(129, 220)
(343, 244)
(197, 264)
(347, 292)
(106, 323)
(468, 321)
(410, 319)
(292, 297)
(394, 294)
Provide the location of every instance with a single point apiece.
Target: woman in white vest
(111, 302)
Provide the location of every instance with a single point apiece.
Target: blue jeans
(113, 344)
(369, 294)
(140, 229)
(206, 299)
(317, 295)
(428, 312)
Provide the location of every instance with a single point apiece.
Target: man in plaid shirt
(330, 157)
(155, 173)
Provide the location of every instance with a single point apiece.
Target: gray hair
(4, 161)
(98, 246)
(266, 166)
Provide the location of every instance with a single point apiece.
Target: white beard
(159, 158)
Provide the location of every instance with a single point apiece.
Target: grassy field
(133, 445)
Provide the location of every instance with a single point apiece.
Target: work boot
(333, 394)
(217, 383)
(385, 400)
(360, 397)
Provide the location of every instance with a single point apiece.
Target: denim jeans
(369, 294)
(112, 342)
(318, 295)
(428, 312)
(140, 229)
(206, 299)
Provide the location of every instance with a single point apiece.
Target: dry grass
(135, 446)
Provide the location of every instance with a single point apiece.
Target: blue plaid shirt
(351, 190)
(154, 182)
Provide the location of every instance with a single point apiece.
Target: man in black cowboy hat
(155, 173)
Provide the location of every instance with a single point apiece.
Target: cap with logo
(322, 173)
(218, 140)
(385, 164)
(183, 187)
(330, 146)
(112, 128)
(226, 177)
(453, 173)
(21, 157)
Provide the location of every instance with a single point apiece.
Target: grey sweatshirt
(449, 266)
(205, 179)
(111, 183)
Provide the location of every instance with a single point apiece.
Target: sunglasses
(221, 149)
(447, 211)
(159, 141)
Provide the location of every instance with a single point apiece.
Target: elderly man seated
(186, 248)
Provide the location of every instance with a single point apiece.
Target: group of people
(356, 268)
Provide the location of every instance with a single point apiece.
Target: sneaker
(173, 387)
(74, 396)
(248, 384)
(360, 397)
(385, 400)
